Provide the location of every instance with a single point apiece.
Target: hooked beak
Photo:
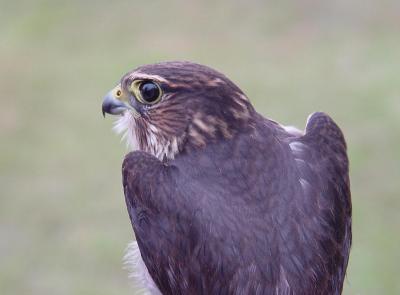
(113, 106)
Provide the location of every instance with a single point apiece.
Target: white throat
(153, 143)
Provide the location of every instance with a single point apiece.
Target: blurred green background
(63, 222)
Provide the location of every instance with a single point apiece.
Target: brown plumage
(223, 200)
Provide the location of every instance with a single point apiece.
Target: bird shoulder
(142, 173)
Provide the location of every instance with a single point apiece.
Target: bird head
(170, 107)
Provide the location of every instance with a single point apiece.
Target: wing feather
(322, 160)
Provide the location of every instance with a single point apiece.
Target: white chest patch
(138, 271)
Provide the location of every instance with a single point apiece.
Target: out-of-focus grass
(63, 223)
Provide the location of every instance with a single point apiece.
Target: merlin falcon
(223, 200)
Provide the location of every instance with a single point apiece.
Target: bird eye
(148, 92)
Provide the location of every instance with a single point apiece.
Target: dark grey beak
(112, 105)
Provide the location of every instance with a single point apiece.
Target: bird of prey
(223, 200)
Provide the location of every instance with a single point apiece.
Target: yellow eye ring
(118, 93)
(146, 91)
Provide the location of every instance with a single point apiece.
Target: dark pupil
(149, 91)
